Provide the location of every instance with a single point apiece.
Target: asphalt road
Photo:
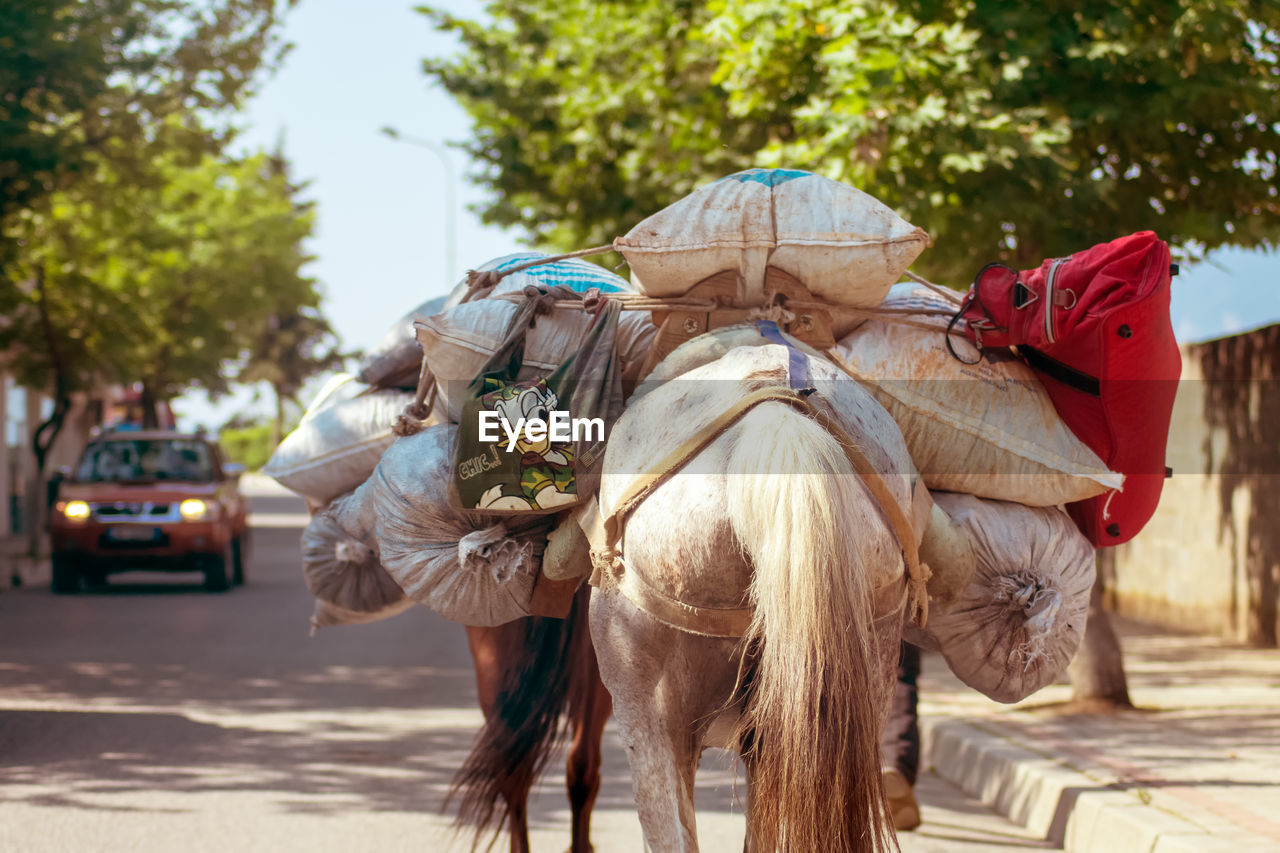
(152, 716)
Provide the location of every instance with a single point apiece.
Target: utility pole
(6, 472)
(450, 197)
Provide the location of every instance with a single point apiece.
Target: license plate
(133, 534)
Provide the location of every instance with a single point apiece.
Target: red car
(150, 500)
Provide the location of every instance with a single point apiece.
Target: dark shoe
(904, 811)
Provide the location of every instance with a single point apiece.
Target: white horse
(760, 586)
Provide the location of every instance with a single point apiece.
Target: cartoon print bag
(534, 445)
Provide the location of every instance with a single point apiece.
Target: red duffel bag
(1095, 327)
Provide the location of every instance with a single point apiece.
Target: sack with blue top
(804, 251)
(840, 243)
(459, 343)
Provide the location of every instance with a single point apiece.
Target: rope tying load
(481, 283)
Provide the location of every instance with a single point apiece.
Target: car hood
(135, 493)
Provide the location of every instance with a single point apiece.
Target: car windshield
(147, 460)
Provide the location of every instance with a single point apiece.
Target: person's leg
(900, 745)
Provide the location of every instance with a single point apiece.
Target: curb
(1076, 811)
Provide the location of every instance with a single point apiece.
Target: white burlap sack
(458, 342)
(472, 568)
(328, 615)
(986, 429)
(340, 564)
(395, 359)
(339, 441)
(1022, 618)
(841, 243)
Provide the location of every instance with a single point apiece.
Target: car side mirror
(233, 470)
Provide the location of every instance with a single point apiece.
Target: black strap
(1063, 373)
(974, 297)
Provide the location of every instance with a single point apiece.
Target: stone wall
(1209, 560)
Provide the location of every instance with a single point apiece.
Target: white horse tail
(811, 726)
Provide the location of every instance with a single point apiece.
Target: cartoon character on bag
(546, 467)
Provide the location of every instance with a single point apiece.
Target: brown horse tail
(525, 724)
(811, 726)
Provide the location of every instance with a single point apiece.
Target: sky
(380, 242)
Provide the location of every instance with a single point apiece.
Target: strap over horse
(723, 622)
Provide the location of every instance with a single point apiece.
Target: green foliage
(166, 281)
(116, 80)
(295, 341)
(251, 446)
(1006, 129)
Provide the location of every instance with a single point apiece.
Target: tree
(92, 80)
(1098, 680)
(170, 298)
(107, 86)
(1007, 130)
(295, 342)
(294, 346)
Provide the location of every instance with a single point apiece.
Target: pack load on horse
(1023, 613)
(457, 343)
(983, 427)
(338, 441)
(810, 460)
(396, 359)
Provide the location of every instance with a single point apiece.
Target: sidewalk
(1196, 768)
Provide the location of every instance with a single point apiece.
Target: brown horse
(531, 675)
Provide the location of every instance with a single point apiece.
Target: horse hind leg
(666, 686)
(582, 771)
(589, 710)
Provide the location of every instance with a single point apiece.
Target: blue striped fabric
(579, 275)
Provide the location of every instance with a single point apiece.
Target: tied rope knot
(593, 302)
(774, 311)
(918, 594)
(352, 551)
(543, 299)
(416, 415)
(606, 566)
(481, 280)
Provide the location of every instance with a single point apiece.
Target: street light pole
(450, 196)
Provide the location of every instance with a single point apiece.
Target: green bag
(535, 445)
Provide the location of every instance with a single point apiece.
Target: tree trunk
(150, 417)
(277, 422)
(33, 504)
(43, 436)
(1097, 672)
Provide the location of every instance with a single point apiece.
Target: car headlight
(193, 509)
(76, 511)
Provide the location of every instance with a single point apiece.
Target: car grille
(134, 511)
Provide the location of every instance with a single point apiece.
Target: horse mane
(538, 685)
